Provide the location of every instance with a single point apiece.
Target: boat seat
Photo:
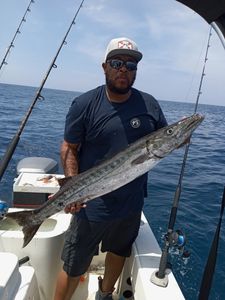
(16, 283)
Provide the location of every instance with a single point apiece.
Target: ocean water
(202, 187)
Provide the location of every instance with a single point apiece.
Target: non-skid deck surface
(87, 288)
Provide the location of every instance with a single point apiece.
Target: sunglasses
(117, 64)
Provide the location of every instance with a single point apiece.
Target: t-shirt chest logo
(135, 123)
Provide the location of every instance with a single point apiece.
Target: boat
(30, 272)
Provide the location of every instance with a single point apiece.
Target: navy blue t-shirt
(104, 128)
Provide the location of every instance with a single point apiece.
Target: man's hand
(74, 207)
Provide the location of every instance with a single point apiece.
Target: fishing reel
(177, 239)
(3, 209)
(172, 239)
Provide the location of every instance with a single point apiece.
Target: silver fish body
(111, 174)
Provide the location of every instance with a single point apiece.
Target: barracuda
(137, 159)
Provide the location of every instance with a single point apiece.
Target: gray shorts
(83, 238)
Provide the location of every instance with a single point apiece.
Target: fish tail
(24, 219)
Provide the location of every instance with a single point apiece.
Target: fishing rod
(4, 62)
(177, 238)
(12, 146)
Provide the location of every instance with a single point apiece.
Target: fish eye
(169, 131)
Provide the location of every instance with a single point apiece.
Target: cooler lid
(37, 165)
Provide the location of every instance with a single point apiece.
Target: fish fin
(24, 219)
(64, 180)
(29, 231)
(140, 159)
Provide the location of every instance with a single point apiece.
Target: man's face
(119, 75)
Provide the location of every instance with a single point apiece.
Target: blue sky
(171, 37)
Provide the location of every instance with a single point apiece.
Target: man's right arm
(69, 158)
(70, 166)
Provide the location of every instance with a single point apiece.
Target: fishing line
(171, 237)
(195, 68)
(4, 62)
(12, 146)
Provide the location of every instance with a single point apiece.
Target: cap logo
(125, 45)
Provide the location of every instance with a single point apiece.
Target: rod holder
(162, 282)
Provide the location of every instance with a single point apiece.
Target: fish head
(166, 139)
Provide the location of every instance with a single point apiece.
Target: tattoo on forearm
(69, 160)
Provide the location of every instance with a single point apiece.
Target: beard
(118, 90)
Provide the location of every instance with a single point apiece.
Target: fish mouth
(196, 118)
(189, 127)
(195, 122)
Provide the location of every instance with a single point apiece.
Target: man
(99, 124)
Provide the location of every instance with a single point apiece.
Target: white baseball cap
(123, 46)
